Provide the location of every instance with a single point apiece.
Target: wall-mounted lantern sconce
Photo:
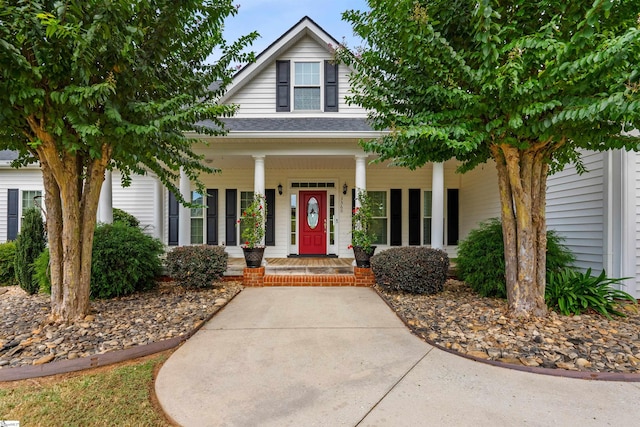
(344, 189)
(280, 189)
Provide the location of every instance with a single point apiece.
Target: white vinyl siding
(575, 209)
(479, 197)
(138, 199)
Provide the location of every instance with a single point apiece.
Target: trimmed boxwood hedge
(196, 266)
(415, 270)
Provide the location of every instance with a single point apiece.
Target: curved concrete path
(341, 357)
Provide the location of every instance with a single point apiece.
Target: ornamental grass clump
(252, 222)
(571, 292)
(414, 270)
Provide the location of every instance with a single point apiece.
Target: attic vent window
(306, 91)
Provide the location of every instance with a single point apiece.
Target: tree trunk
(72, 191)
(522, 183)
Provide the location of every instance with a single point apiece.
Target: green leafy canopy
(133, 75)
(449, 78)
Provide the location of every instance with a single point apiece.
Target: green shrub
(7, 264)
(124, 260)
(196, 266)
(411, 269)
(30, 243)
(42, 272)
(121, 216)
(571, 292)
(480, 261)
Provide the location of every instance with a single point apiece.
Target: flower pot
(362, 257)
(253, 256)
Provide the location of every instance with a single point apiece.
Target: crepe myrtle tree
(90, 85)
(528, 84)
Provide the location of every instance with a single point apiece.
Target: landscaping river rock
(458, 319)
(27, 338)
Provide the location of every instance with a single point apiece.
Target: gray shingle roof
(293, 124)
(8, 155)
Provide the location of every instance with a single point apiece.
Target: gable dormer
(296, 75)
(306, 85)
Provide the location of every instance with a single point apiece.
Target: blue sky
(271, 18)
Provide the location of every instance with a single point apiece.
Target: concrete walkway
(340, 357)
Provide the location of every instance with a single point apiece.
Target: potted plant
(252, 230)
(362, 236)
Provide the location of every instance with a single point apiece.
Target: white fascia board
(290, 135)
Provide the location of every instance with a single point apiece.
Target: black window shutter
(453, 209)
(330, 86)
(270, 232)
(12, 213)
(212, 216)
(396, 217)
(283, 86)
(231, 197)
(174, 218)
(414, 216)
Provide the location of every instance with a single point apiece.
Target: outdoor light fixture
(280, 189)
(344, 189)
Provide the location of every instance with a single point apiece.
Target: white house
(295, 140)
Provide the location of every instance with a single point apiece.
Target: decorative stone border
(583, 375)
(97, 360)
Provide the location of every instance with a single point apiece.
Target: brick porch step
(310, 279)
(258, 277)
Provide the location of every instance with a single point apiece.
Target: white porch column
(258, 175)
(105, 204)
(158, 212)
(361, 175)
(184, 228)
(437, 206)
(628, 222)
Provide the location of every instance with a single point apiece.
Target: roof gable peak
(304, 27)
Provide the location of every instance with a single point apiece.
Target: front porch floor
(296, 266)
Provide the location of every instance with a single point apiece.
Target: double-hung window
(31, 199)
(246, 198)
(379, 216)
(197, 219)
(427, 218)
(306, 89)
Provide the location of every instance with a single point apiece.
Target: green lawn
(120, 395)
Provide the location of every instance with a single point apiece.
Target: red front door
(313, 222)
